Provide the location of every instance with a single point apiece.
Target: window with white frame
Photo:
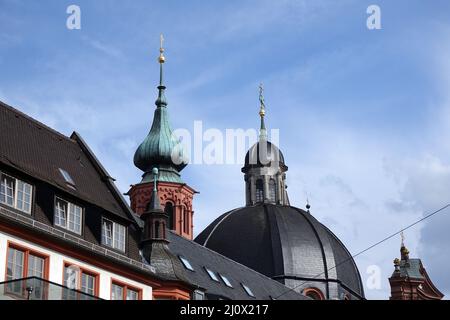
(68, 215)
(15, 193)
(113, 235)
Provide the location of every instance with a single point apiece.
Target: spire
(403, 250)
(262, 113)
(154, 204)
(161, 101)
(161, 148)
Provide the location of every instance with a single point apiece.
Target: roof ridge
(217, 224)
(35, 121)
(231, 260)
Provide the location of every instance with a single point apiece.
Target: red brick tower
(162, 150)
(410, 280)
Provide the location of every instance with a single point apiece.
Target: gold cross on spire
(161, 58)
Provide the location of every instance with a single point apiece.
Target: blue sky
(364, 115)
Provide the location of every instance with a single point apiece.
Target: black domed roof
(283, 242)
(264, 154)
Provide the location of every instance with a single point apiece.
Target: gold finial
(262, 110)
(396, 262)
(161, 57)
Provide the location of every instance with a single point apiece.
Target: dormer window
(15, 193)
(68, 216)
(113, 235)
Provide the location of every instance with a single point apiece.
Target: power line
(370, 247)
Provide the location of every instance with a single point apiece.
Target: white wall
(56, 264)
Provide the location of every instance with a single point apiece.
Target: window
(132, 294)
(121, 291)
(88, 283)
(68, 215)
(67, 177)
(198, 295)
(226, 281)
(16, 262)
(272, 190)
(113, 235)
(168, 209)
(22, 263)
(186, 263)
(212, 275)
(79, 279)
(185, 220)
(157, 236)
(259, 191)
(15, 193)
(248, 290)
(35, 266)
(314, 293)
(116, 292)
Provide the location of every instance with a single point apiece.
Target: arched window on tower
(259, 191)
(272, 190)
(185, 221)
(168, 209)
(156, 230)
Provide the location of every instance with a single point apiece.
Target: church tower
(264, 169)
(163, 151)
(410, 280)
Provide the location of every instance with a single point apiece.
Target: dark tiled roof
(40, 151)
(282, 241)
(411, 269)
(200, 257)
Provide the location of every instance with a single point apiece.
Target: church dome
(264, 154)
(287, 244)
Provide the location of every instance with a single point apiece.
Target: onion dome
(161, 149)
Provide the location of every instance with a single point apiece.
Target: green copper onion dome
(161, 149)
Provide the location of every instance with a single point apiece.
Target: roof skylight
(212, 275)
(226, 281)
(248, 290)
(66, 176)
(186, 263)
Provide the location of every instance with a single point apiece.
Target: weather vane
(261, 96)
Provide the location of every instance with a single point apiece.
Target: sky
(363, 115)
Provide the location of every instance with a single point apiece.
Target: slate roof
(282, 241)
(200, 257)
(411, 269)
(34, 148)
